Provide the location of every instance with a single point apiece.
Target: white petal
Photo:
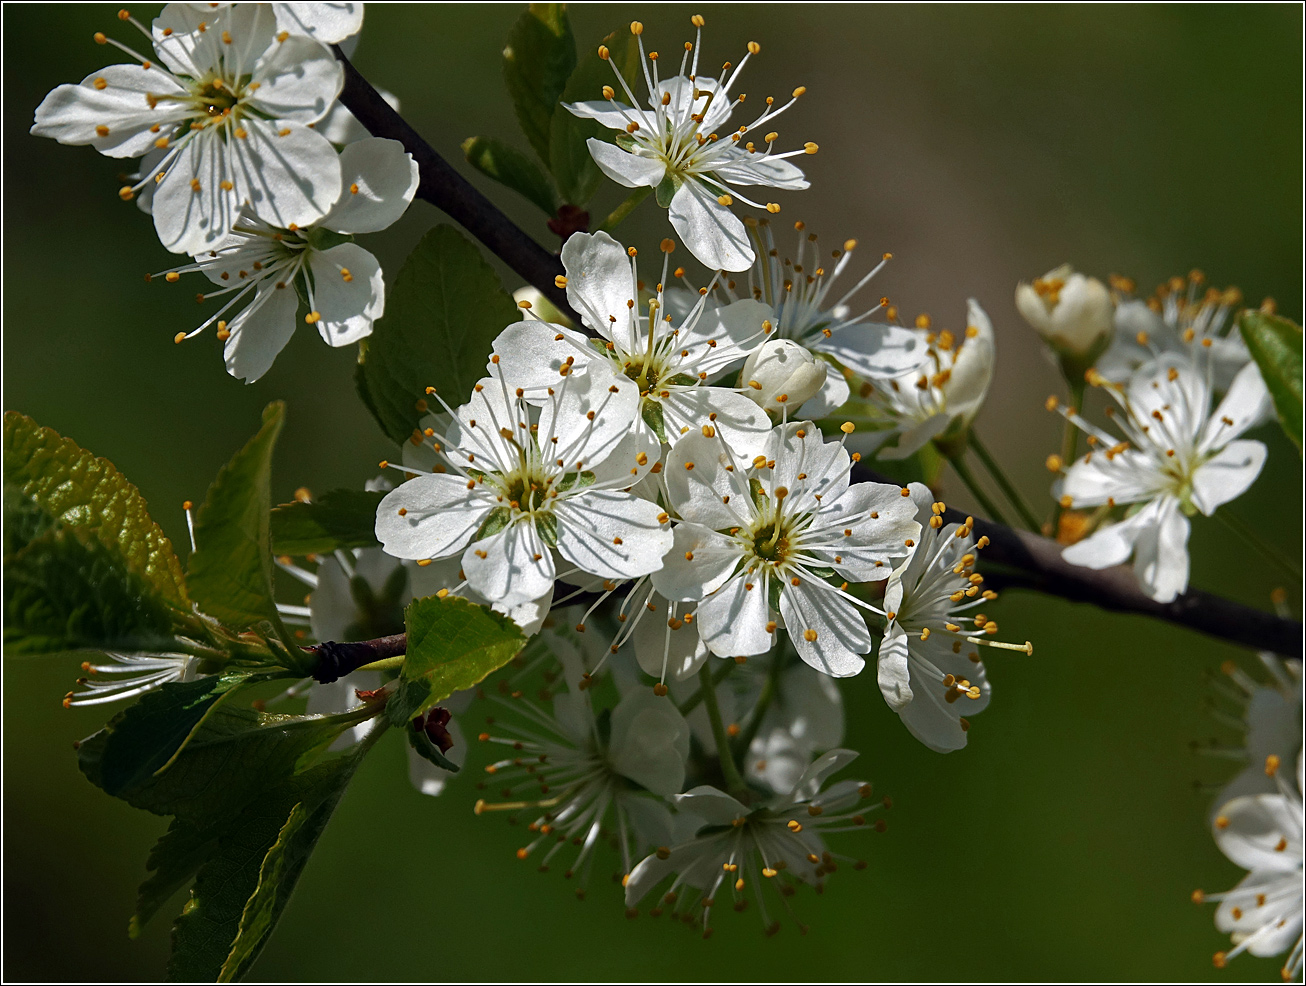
(874, 350)
(1161, 554)
(733, 620)
(699, 562)
(914, 438)
(740, 421)
(660, 649)
(972, 371)
(838, 632)
(1253, 828)
(824, 464)
(329, 23)
(348, 306)
(1125, 477)
(378, 181)
(188, 49)
(601, 286)
(650, 742)
(811, 707)
(583, 442)
(616, 117)
(821, 768)
(892, 670)
(697, 480)
(711, 232)
(71, 113)
(259, 332)
(630, 170)
(1247, 404)
(731, 332)
(713, 806)
(1227, 474)
(868, 552)
(612, 534)
(833, 396)
(1113, 545)
(341, 127)
(511, 567)
(754, 169)
(531, 355)
(440, 516)
(298, 81)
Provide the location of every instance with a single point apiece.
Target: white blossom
(1263, 834)
(224, 108)
(804, 718)
(928, 659)
(672, 362)
(938, 400)
(680, 147)
(1177, 458)
(781, 374)
(777, 843)
(329, 23)
(515, 488)
(272, 271)
(1179, 317)
(761, 540)
(1270, 720)
(1073, 313)
(799, 292)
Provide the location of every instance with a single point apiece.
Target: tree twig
(453, 194)
(1038, 559)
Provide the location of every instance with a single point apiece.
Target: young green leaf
(452, 644)
(442, 314)
(509, 166)
(569, 158)
(338, 519)
(1276, 345)
(230, 572)
(537, 61)
(89, 497)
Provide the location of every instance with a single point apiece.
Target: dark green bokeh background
(980, 145)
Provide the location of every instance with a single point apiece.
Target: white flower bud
(1070, 311)
(781, 373)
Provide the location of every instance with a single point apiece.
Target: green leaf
(651, 412)
(442, 314)
(88, 497)
(339, 519)
(509, 166)
(452, 645)
(230, 573)
(1276, 345)
(426, 749)
(666, 191)
(537, 61)
(65, 593)
(569, 158)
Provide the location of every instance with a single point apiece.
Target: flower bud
(782, 374)
(1073, 313)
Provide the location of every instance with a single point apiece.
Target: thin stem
(999, 477)
(976, 491)
(691, 703)
(1239, 527)
(627, 206)
(770, 688)
(734, 783)
(1069, 441)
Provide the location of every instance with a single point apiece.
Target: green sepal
(546, 525)
(452, 645)
(427, 750)
(666, 190)
(757, 493)
(1276, 345)
(494, 523)
(442, 314)
(651, 412)
(773, 589)
(575, 480)
(537, 61)
(338, 519)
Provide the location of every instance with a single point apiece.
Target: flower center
(771, 543)
(215, 97)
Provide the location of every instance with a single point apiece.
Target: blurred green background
(981, 145)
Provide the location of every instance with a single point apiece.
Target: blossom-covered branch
(1038, 559)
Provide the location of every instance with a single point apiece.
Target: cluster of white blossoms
(231, 114)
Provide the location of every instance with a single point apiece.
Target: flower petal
(892, 670)
(71, 114)
(329, 23)
(1246, 405)
(1227, 475)
(440, 516)
(630, 170)
(378, 180)
(601, 286)
(650, 742)
(699, 562)
(827, 631)
(1250, 830)
(612, 534)
(299, 79)
(741, 422)
(874, 350)
(531, 355)
(706, 485)
(733, 620)
(866, 546)
(757, 169)
(511, 567)
(348, 292)
(260, 331)
(711, 232)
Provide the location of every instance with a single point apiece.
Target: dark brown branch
(1041, 567)
(335, 660)
(453, 194)
(1038, 560)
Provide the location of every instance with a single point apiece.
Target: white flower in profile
(762, 542)
(804, 307)
(130, 675)
(673, 363)
(224, 108)
(781, 842)
(679, 147)
(1177, 458)
(590, 782)
(1263, 834)
(329, 23)
(1179, 317)
(928, 660)
(1270, 714)
(937, 401)
(805, 718)
(513, 489)
(1073, 313)
(272, 270)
